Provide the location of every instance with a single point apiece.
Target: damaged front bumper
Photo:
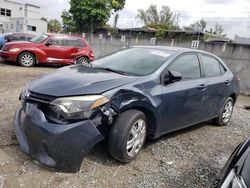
(56, 145)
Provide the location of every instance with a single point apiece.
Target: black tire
(26, 59)
(220, 120)
(82, 61)
(120, 134)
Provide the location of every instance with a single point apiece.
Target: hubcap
(227, 113)
(27, 60)
(136, 137)
(82, 61)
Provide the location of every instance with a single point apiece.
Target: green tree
(160, 20)
(68, 22)
(87, 15)
(197, 26)
(218, 30)
(54, 26)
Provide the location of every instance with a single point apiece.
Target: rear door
(218, 81)
(183, 101)
(72, 46)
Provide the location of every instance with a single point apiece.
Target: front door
(183, 100)
(54, 50)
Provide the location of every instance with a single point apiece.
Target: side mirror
(48, 43)
(170, 77)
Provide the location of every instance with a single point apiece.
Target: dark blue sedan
(127, 96)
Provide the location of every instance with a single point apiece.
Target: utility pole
(177, 19)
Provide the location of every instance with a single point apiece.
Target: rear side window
(73, 42)
(211, 66)
(188, 66)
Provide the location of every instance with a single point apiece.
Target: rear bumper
(8, 56)
(60, 146)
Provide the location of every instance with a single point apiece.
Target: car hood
(78, 80)
(20, 44)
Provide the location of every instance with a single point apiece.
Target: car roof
(63, 35)
(17, 33)
(173, 49)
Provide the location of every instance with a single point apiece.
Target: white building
(18, 17)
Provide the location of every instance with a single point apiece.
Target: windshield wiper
(111, 70)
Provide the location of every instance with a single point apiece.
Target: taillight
(92, 55)
(237, 78)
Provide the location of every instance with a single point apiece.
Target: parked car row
(52, 49)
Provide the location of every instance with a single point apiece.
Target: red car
(53, 49)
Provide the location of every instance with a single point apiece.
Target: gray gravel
(189, 158)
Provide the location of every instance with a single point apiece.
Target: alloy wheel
(136, 137)
(227, 112)
(82, 61)
(27, 59)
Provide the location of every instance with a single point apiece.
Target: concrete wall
(237, 57)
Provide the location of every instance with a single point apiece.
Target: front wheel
(127, 136)
(226, 113)
(26, 59)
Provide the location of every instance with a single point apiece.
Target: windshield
(136, 61)
(39, 38)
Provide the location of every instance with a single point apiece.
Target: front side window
(211, 66)
(188, 66)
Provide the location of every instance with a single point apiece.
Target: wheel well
(151, 119)
(233, 96)
(28, 52)
(83, 56)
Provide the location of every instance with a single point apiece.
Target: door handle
(202, 87)
(227, 82)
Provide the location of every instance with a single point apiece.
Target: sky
(233, 15)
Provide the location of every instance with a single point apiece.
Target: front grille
(5, 48)
(37, 97)
(42, 102)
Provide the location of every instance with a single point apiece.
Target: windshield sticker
(163, 54)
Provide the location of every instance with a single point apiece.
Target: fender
(41, 56)
(127, 99)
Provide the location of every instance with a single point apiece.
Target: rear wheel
(82, 61)
(226, 113)
(26, 59)
(127, 135)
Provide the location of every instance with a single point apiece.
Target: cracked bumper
(60, 146)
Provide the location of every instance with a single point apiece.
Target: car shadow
(99, 153)
(46, 65)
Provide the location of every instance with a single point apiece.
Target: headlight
(24, 93)
(77, 107)
(14, 50)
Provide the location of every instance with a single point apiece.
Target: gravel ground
(189, 158)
